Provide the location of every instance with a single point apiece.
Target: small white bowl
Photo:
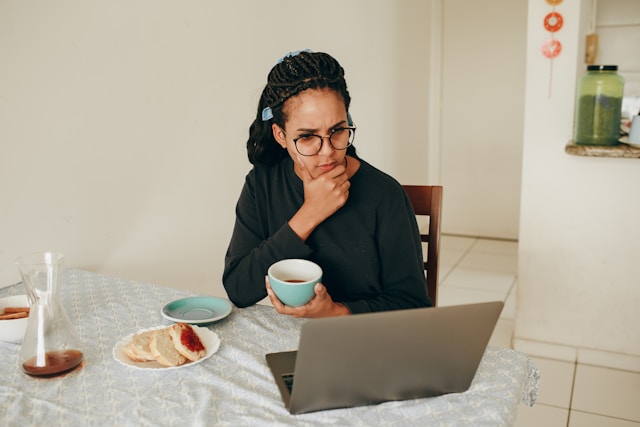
(12, 330)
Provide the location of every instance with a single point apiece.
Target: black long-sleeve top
(369, 250)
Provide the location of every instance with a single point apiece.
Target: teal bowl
(293, 280)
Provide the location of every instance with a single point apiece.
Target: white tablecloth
(234, 387)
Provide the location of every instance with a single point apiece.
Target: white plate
(196, 310)
(209, 338)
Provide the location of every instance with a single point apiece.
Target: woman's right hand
(323, 196)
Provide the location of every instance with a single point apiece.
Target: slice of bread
(138, 348)
(187, 342)
(132, 355)
(164, 350)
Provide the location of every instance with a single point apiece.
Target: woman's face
(313, 111)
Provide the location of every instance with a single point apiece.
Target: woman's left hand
(321, 305)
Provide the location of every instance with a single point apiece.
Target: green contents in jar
(598, 121)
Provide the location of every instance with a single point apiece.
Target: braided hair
(290, 76)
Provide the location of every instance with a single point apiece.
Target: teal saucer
(196, 310)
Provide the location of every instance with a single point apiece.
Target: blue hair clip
(349, 119)
(294, 53)
(267, 114)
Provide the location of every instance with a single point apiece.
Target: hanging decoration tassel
(591, 52)
(552, 47)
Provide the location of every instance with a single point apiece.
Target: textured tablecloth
(233, 387)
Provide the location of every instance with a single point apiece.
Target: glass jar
(599, 106)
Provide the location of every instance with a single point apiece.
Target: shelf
(620, 151)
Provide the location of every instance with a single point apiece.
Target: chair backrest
(427, 201)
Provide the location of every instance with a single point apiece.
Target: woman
(310, 196)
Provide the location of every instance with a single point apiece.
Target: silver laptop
(395, 355)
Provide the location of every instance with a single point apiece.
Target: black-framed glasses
(310, 144)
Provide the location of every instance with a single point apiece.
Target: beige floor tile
(581, 419)
(448, 295)
(502, 333)
(509, 310)
(480, 280)
(608, 392)
(443, 272)
(556, 382)
(490, 262)
(541, 415)
(496, 247)
(456, 242)
(449, 257)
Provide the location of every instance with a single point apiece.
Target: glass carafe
(51, 345)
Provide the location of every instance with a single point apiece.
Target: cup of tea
(293, 280)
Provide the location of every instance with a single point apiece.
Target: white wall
(483, 72)
(579, 269)
(123, 123)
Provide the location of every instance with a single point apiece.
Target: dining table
(232, 387)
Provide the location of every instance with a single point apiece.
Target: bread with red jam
(187, 342)
(171, 346)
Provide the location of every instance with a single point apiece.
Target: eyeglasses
(340, 138)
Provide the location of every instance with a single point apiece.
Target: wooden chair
(427, 201)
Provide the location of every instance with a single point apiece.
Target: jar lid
(602, 68)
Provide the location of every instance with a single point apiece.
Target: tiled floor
(476, 270)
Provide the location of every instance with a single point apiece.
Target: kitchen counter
(621, 150)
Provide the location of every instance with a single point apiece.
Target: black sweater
(369, 250)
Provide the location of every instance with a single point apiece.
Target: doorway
(480, 79)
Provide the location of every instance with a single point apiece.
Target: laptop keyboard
(288, 381)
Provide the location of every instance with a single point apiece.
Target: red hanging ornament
(551, 48)
(553, 22)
